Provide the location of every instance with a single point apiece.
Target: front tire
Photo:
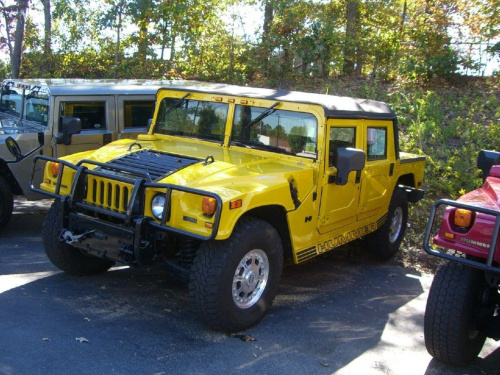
(65, 257)
(385, 241)
(451, 314)
(6, 203)
(233, 282)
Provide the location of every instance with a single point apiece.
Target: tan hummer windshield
(26, 103)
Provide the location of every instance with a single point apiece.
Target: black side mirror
(70, 126)
(14, 148)
(346, 160)
(487, 159)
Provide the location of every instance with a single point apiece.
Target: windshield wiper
(267, 112)
(34, 92)
(177, 104)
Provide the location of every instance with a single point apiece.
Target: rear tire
(233, 282)
(6, 203)
(385, 241)
(450, 329)
(65, 257)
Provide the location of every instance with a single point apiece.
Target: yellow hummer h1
(227, 184)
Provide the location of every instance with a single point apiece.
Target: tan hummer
(57, 117)
(227, 184)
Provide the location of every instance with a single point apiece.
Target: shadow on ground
(328, 315)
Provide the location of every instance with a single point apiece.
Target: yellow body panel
(320, 215)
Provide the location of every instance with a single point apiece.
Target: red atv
(463, 307)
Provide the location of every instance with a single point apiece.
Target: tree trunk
(117, 47)
(268, 20)
(47, 39)
(19, 38)
(172, 46)
(351, 36)
(143, 40)
(397, 55)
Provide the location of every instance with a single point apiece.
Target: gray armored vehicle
(61, 117)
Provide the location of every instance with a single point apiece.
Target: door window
(341, 137)
(138, 113)
(376, 143)
(92, 114)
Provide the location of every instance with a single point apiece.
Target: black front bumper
(127, 237)
(130, 245)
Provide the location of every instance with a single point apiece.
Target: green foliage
(387, 40)
(297, 138)
(450, 125)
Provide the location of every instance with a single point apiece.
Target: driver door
(339, 203)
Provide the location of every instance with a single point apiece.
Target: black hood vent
(157, 164)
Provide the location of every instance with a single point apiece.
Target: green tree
(297, 139)
(15, 59)
(114, 17)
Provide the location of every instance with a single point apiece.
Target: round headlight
(158, 205)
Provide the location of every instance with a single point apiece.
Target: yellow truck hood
(225, 171)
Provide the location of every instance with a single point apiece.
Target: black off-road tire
(385, 241)
(449, 327)
(6, 203)
(216, 288)
(65, 257)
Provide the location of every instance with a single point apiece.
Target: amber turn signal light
(463, 218)
(54, 168)
(209, 205)
(235, 204)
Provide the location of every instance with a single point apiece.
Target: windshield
(287, 132)
(27, 103)
(192, 118)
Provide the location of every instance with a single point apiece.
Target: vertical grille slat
(109, 193)
(101, 193)
(116, 197)
(125, 198)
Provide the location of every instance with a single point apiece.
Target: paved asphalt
(335, 315)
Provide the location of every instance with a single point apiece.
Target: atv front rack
(487, 265)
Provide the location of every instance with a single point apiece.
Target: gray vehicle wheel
(451, 314)
(385, 241)
(233, 282)
(65, 257)
(6, 203)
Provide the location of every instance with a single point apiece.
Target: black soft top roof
(334, 106)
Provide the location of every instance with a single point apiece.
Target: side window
(92, 114)
(137, 113)
(376, 143)
(341, 137)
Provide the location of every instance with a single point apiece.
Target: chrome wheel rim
(396, 224)
(250, 278)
